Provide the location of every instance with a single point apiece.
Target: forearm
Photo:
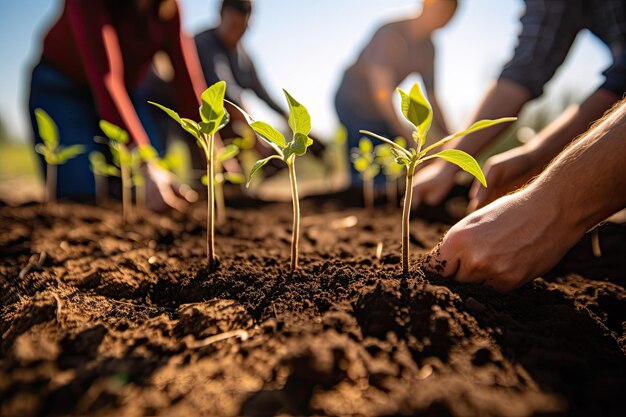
(588, 180)
(503, 99)
(568, 126)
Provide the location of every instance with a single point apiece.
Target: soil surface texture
(103, 319)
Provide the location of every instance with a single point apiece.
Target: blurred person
(549, 28)
(222, 57)
(93, 58)
(521, 236)
(397, 50)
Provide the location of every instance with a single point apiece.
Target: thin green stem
(295, 234)
(220, 205)
(51, 182)
(210, 233)
(126, 189)
(368, 193)
(406, 213)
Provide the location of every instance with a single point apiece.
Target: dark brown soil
(98, 319)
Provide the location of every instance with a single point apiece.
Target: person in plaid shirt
(549, 28)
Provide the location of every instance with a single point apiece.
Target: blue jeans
(354, 122)
(73, 109)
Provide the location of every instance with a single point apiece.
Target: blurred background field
(304, 47)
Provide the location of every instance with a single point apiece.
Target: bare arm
(523, 235)
(512, 169)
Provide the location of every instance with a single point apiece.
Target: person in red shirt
(93, 58)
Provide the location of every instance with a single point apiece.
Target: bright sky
(304, 46)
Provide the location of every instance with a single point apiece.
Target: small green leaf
(204, 180)
(212, 108)
(191, 127)
(147, 153)
(208, 128)
(361, 164)
(47, 129)
(269, 134)
(69, 152)
(169, 112)
(258, 165)
(234, 177)
(298, 146)
(400, 160)
(299, 119)
(417, 110)
(227, 152)
(464, 161)
(113, 132)
(365, 145)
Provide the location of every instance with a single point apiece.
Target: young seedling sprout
(118, 140)
(300, 123)
(101, 171)
(213, 117)
(417, 110)
(364, 161)
(223, 154)
(391, 169)
(53, 153)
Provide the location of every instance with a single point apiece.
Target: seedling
(53, 153)
(417, 110)
(213, 117)
(391, 169)
(101, 171)
(223, 154)
(364, 161)
(122, 158)
(300, 123)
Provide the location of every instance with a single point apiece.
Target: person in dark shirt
(395, 51)
(93, 58)
(223, 57)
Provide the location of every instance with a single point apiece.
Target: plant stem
(140, 196)
(101, 189)
(126, 189)
(406, 213)
(210, 233)
(51, 182)
(220, 205)
(368, 193)
(295, 234)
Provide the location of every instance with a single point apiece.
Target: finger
(446, 259)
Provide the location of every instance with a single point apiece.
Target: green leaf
(417, 110)
(47, 129)
(212, 108)
(227, 152)
(191, 127)
(365, 145)
(147, 153)
(464, 161)
(299, 119)
(234, 177)
(481, 124)
(204, 180)
(113, 132)
(298, 146)
(269, 134)
(69, 152)
(361, 164)
(169, 112)
(258, 165)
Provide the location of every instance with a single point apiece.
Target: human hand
(433, 183)
(504, 172)
(160, 186)
(508, 242)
